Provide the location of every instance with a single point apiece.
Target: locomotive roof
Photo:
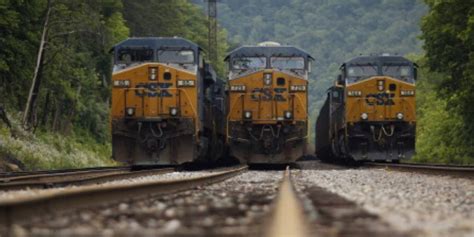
(268, 51)
(379, 60)
(158, 42)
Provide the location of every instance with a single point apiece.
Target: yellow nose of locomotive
(156, 90)
(380, 98)
(268, 96)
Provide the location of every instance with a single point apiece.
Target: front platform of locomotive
(268, 103)
(380, 108)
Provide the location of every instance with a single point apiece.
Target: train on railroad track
(369, 114)
(267, 120)
(168, 106)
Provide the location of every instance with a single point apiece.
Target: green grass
(46, 150)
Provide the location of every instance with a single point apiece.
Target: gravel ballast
(416, 204)
(20, 194)
(236, 207)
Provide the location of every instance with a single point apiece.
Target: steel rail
(35, 175)
(81, 179)
(288, 217)
(57, 177)
(453, 170)
(21, 210)
(6, 175)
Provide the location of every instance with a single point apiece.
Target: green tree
(448, 31)
(168, 18)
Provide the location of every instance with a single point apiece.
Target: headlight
(297, 88)
(407, 92)
(267, 79)
(121, 83)
(248, 114)
(238, 88)
(381, 85)
(130, 111)
(152, 73)
(400, 116)
(364, 116)
(288, 115)
(186, 83)
(173, 111)
(354, 93)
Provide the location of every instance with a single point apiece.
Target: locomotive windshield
(287, 63)
(134, 55)
(357, 72)
(246, 63)
(399, 71)
(176, 56)
(131, 56)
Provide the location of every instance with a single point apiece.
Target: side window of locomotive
(201, 61)
(336, 96)
(248, 63)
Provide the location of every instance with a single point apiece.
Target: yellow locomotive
(268, 103)
(369, 113)
(167, 104)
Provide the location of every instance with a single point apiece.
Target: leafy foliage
(173, 18)
(448, 31)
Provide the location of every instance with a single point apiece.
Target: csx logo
(153, 89)
(380, 99)
(265, 94)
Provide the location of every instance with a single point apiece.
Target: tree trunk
(35, 84)
(72, 113)
(44, 118)
(57, 111)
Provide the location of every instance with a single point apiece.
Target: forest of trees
(445, 111)
(64, 47)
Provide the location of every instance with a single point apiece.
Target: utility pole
(212, 37)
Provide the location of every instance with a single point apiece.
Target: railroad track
(21, 210)
(287, 217)
(75, 177)
(452, 170)
(7, 175)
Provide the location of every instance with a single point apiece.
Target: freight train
(369, 113)
(168, 106)
(267, 120)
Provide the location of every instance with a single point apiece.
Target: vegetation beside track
(45, 150)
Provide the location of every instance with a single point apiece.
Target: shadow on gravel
(338, 216)
(263, 167)
(150, 167)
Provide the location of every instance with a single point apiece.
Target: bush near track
(439, 129)
(46, 150)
